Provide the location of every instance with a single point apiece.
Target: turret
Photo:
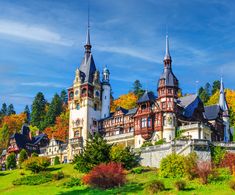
(224, 106)
(106, 93)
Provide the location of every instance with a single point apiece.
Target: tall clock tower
(84, 102)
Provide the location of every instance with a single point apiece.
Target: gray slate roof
(212, 111)
(170, 78)
(87, 68)
(186, 100)
(147, 96)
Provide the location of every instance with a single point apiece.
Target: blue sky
(41, 43)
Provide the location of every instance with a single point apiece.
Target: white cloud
(43, 84)
(32, 32)
(130, 52)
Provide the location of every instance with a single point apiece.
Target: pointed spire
(167, 55)
(88, 41)
(222, 99)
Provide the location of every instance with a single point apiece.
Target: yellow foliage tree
(230, 97)
(127, 101)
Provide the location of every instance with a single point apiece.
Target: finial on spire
(88, 41)
(167, 55)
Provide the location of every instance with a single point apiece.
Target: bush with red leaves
(228, 161)
(203, 170)
(105, 176)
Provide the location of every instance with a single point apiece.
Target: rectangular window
(163, 105)
(149, 122)
(143, 122)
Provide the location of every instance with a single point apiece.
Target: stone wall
(152, 156)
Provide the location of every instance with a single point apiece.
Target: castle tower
(106, 93)
(84, 102)
(167, 96)
(223, 105)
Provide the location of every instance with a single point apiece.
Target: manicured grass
(135, 185)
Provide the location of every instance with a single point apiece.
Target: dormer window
(84, 91)
(143, 106)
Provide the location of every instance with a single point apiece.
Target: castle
(161, 117)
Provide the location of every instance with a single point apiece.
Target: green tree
(23, 156)
(56, 160)
(204, 96)
(4, 136)
(208, 89)
(36, 164)
(11, 161)
(217, 154)
(38, 110)
(215, 86)
(54, 110)
(137, 89)
(10, 110)
(200, 91)
(4, 109)
(64, 96)
(124, 155)
(96, 151)
(27, 112)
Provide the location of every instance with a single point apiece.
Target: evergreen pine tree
(38, 110)
(27, 112)
(11, 161)
(4, 109)
(96, 151)
(215, 86)
(10, 110)
(64, 96)
(137, 89)
(54, 110)
(23, 156)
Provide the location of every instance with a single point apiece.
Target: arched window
(97, 94)
(76, 134)
(84, 91)
(143, 107)
(71, 95)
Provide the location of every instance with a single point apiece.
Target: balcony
(76, 142)
(120, 136)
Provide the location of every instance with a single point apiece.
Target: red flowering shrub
(105, 176)
(203, 170)
(228, 161)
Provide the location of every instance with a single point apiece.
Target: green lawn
(135, 185)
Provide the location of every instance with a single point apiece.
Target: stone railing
(186, 127)
(120, 136)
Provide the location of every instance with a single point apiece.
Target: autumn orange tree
(126, 101)
(60, 129)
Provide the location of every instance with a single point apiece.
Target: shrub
(124, 155)
(159, 142)
(203, 171)
(232, 185)
(73, 182)
(23, 156)
(190, 163)
(36, 164)
(217, 154)
(96, 151)
(11, 161)
(59, 175)
(219, 175)
(33, 179)
(228, 161)
(106, 176)
(57, 160)
(146, 144)
(173, 166)
(138, 170)
(180, 185)
(154, 187)
(34, 154)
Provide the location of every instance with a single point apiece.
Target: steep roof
(212, 111)
(169, 77)
(87, 68)
(189, 103)
(147, 96)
